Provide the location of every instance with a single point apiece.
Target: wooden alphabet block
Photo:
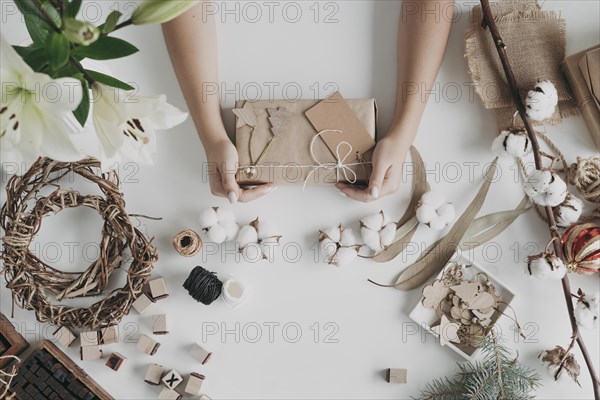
(90, 353)
(194, 384)
(142, 303)
(147, 345)
(64, 336)
(89, 338)
(160, 325)
(109, 335)
(115, 360)
(200, 354)
(154, 374)
(158, 289)
(396, 375)
(169, 394)
(172, 379)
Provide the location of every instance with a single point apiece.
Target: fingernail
(375, 192)
(233, 198)
(342, 193)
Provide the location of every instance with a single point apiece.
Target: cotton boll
(333, 233)
(537, 182)
(447, 212)
(556, 191)
(541, 102)
(587, 311)
(265, 230)
(434, 199)
(347, 237)
(546, 266)
(231, 229)
(246, 235)
(371, 238)
(498, 145)
(374, 222)
(217, 234)
(568, 212)
(208, 218)
(387, 234)
(437, 223)
(426, 213)
(344, 256)
(512, 144)
(328, 247)
(224, 215)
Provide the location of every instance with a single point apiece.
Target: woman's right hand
(222, 167)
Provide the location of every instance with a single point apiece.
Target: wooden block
(169, 394)
(396, 375)
(89, 338)
(160, 325)
(200, 354)
(64, 336)
(89, 353)
(147, 345)
(154, 374)
(194, 384)
(115, 360)
(158, 289)
(172, 379)
(142, 303)
(109, 335)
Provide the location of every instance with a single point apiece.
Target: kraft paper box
(583, 72)
(305, 141)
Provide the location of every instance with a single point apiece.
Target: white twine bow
(339, 164)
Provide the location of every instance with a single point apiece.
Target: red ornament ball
(581, 245)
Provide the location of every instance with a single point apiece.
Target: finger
(216, 185)
(391, 182)
(355, 193)
(376, 179)
(231, 187)
(256, 192)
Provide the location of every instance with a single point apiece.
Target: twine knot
(585, 176)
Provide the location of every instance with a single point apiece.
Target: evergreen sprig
(499, 376)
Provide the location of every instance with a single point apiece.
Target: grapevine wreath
(31, 280)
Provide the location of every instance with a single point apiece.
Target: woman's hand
(387, 160)
(223, 163)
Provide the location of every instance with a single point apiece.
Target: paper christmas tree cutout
(280, 120)
(245, 115)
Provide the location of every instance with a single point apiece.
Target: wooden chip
(447, 331)
(434, 294)
(482, 301)
(419, 272)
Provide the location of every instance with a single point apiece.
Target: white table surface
(368, 327)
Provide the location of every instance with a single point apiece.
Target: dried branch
(488, 22)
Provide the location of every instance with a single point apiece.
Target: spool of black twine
(203, 285)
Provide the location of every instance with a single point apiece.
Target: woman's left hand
(387, 160)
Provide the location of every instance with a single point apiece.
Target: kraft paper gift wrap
(298, 127)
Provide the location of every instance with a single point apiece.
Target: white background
(357, 53)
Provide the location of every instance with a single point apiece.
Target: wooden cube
(160, 325)
(64, 336)
(90, 353)
(109, 335)
(147, 345)
(154, 374)
(200, 354)
(194, 384)
(172, 379)
(169, 394)
(89, 338)
(142, 303)
(115, 360)
(396, 375)
(158, 289)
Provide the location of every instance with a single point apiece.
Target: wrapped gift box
(583, 72)
(305, 141)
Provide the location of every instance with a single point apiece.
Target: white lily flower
(160, 11)
(125, 124)
(31, 111)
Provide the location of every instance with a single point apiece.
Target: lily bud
(159, 11)
(80, 32)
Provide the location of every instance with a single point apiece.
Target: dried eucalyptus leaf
(406, 233)
(419, 272)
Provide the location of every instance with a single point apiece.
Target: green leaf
(423, 269)
(24, 51)
(36, 58)
(38, 29)
(106, 48)
(111, 22)
(108, 80)
(52, 13)
(57, 50)
(82, 111)
(72, 8)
